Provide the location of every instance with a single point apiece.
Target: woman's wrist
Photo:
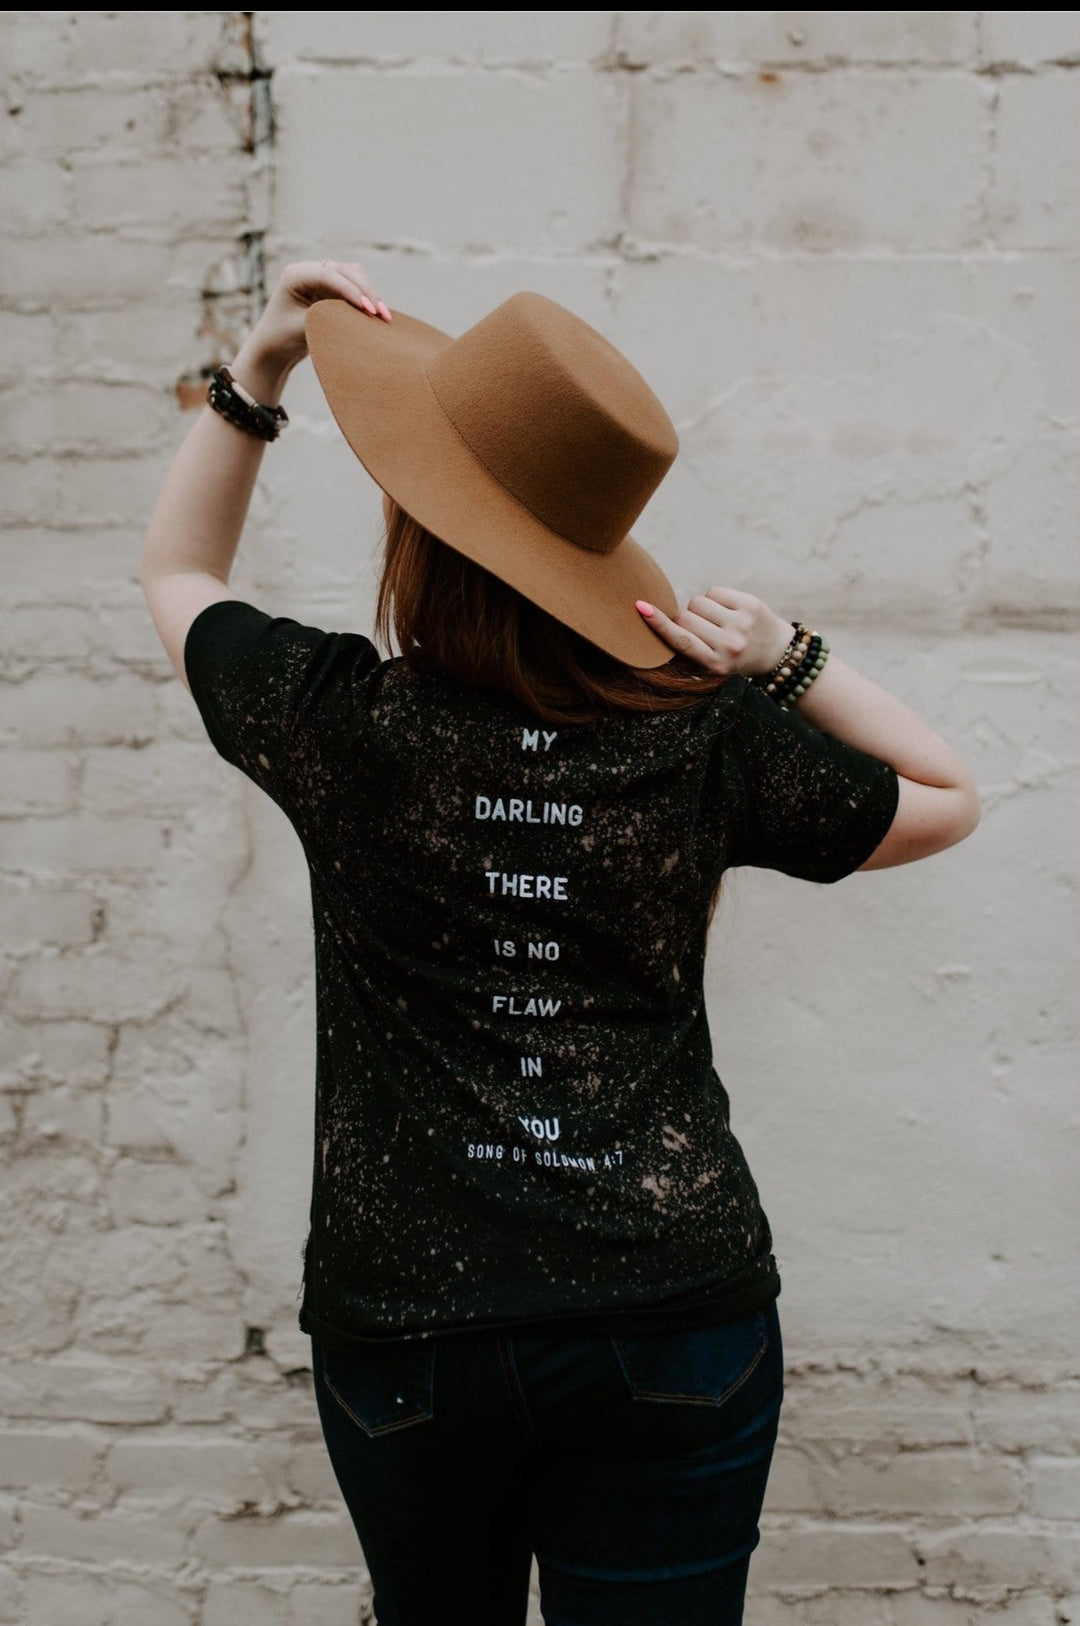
(771, 646)
(781, 637)
(261, 370)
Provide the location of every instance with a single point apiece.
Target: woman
(539, 1283)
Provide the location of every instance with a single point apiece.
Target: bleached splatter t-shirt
(518, 1119)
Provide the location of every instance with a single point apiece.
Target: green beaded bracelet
(787, 703)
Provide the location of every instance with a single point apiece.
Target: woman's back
(517, 1111)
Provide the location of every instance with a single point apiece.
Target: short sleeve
(272, 691)
(814, 807)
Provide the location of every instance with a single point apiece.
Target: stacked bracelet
(797, 667)
(242, 410)
(801, 680)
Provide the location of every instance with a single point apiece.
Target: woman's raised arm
(199, 515)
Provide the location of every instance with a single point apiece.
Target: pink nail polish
(645, 609)
(384, 311)
(366, 305)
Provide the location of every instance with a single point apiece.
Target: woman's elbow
(957, 817)
(972, 811)
(966, 808)
(928, 819)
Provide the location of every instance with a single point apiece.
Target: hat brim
(374, 376)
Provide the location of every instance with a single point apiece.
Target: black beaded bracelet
(240, 409)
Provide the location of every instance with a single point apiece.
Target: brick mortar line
(442, 67)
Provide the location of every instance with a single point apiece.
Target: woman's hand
(724, 630)
(277, 341)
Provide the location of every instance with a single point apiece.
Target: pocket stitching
(381, 1428)
(692, 1399)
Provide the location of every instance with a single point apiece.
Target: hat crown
(559, 417)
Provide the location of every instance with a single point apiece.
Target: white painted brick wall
(843, 247)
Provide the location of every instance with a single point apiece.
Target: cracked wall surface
(843, 247)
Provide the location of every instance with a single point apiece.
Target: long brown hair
(445, 611)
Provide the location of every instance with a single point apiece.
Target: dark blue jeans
(634, 1467)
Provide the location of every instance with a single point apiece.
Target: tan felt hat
(530, 444)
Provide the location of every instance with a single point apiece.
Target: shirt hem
(730, 1302)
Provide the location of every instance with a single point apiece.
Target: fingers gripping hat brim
(374, 376)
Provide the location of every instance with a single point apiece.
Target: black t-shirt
(517, 1116)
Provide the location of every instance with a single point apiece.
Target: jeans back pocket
(381, 1389)
(700, 1366)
